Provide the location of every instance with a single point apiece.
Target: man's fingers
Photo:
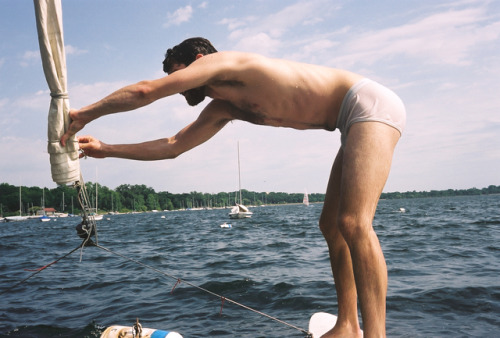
(73, 128)
(69, 133)
(83, 140)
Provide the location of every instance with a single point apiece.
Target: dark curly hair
(186, 52)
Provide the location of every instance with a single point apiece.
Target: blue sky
(441, 57)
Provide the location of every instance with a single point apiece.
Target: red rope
(177, 283)
(40, 269)
(221, 305)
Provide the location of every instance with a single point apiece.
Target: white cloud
(71, 50)
(35, 101)
(448, 37)
(30, 57)
(260, 43)
(24, 161)
(181, 15)
(3, 102)
(31, 54)
(233, 23)
(266, 34)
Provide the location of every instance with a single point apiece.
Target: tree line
(129, 198)
(490, 190)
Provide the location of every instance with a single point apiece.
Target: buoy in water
(117, 331)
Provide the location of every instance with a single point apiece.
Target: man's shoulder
(238, 58)
(231, 65)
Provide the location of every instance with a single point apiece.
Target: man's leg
(366, 164)
(340, 257)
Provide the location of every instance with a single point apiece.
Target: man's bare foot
(343, 332)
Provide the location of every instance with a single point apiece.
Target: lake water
(443, 258)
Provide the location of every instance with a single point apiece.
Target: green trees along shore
(127, 198)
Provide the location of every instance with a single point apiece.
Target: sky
(441, 57)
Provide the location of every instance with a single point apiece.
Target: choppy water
(443, 258)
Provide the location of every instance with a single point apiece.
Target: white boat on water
(305, 201)
(97, 217)
(16, 218)
(225, 225)
(239, 210)
(20, 217)
(44, 218)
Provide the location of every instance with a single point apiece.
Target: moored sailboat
(305, 201)
(239, 210)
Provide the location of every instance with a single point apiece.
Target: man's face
(193, 96)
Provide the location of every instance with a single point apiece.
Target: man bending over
(282, 93)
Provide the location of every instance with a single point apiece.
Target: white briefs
(367, 101)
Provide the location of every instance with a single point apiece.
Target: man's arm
(199, 73)
(125, 99)
(211, 120)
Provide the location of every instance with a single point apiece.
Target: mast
(43, 201)
(239, 173)
(20, 203)
(96, 191)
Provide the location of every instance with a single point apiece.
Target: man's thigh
(329, 213)
(366, 164)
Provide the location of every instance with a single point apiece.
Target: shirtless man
(282, 93)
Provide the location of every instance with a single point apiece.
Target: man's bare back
(278, 92)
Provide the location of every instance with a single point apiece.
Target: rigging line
(89, 228)
(203, 289)
(37, 271)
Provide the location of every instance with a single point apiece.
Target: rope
(59, 95)
(37, 271)
(88, 242)
(222, 298)
(88, 228)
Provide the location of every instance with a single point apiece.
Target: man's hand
(77, 124)
(90, 146)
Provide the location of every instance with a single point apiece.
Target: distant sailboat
(95, 214)
(44, 217)
(20, 217)
(239, 210)
(305, 201)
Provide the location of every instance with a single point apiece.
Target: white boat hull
(240, 211)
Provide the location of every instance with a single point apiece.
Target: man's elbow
(170, 149)
(144, 92)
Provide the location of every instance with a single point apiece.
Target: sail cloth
(65, 165)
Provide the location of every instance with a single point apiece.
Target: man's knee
(353, 227)
(327, 225)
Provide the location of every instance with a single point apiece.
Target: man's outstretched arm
(125, 99)
(198, 74)
(212, 119)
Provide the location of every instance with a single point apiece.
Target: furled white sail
(65, 166)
